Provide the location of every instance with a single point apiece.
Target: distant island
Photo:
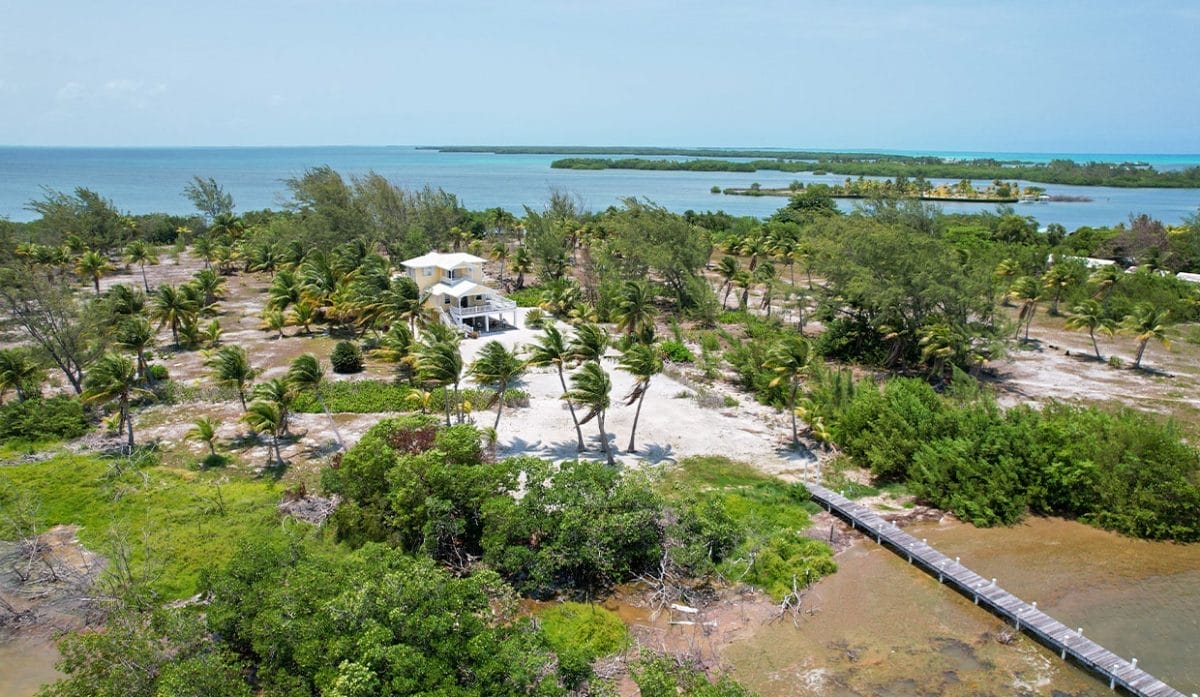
(1069, 172)
(901, 187)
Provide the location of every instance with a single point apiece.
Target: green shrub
(356, 397)
(529, 296)
(580, 633)
(346, 358)
(676, 352)
(57, 418)
(535, 318)
(157, 372)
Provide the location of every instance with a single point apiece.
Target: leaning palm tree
(551, 349)
(140, 253)
(1146, 322)
(113, 377)
(135, 334)
(210, 284)
(643, 362)
(498, 366)
(939, 343)
(1057, 280)
(1106, 279)
(1090, 315)
(21, 371)
(789, 361)
(172, 307)
(204, 429)
(440, 363)
(125, 300)
(284, 290)
(306, 374)
(727, 269)
(273, 321)
(590, 343)
(281, 393)
(265, 416)
(231, 367)
(591, 387)
(522, 263)
(635, 308)
(91, 266)
(1027, 291)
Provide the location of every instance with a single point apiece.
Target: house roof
(460, 289)
(442, 261)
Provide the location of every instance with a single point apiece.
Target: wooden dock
(1026, 617)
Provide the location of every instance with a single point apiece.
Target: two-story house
(453, 285)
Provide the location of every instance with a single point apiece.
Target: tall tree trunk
(604, 439)
(96, 283)
(571, 407)
(792, 406)
(637, 413)
(1137, 362)
(725, 300)
(128, 417)
(336, 434)
(145, 282)
(242, 396)
(499, 404)
(1095, 346)
(458, 412)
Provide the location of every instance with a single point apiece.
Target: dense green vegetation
(1054, 172)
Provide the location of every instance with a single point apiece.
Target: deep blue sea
(142, 180)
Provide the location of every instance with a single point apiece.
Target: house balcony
(491, 307)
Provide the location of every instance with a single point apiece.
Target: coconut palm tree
(522, 263)
(135, 334)
(1006, 270)
(727, 269)
(302, 315)
(552, 349)
(172, 307)
(140, 253)
(280, 392)
(420, 399)
(440, 363)
(591, 387)
(643, 362)
(125, 300)
(204, 247)
(499, 254)
(306, 374)
(1146, 322)
(21, 371)
(497, 366)
(789, 361)
(1090, 315)
(284, 290)
(1106, 279)
(1027, 291)
(231, 367)
(635, 308)
(273, 321)
(265, 416)
(765, 274)
(1057, 280)
(113, 377)
(939, 344)
(91, 266)
(590, 343)
(210, 284)
(743, 281)
(204, 429)
(227, 225)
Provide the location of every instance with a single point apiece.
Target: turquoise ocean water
(142, 180)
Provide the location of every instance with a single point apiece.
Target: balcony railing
(492, 306)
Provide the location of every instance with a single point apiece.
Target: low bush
(529, 296)
(676, 352)
(580, 633)
(57, 418)
(346, 358)
(157, 372)
(355, 397)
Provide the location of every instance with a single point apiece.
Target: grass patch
(836, 478)
(379, 396)
(185, 520)
(771, 513)
(529, 296)
(582, 629)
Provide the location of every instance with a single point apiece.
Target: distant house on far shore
(453, 285)
(1090, 262)
(1189, 277)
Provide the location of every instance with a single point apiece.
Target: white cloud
(69, 92)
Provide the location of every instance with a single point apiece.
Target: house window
(478, 298)
(447, 300)
(468, 270)
(428, 271)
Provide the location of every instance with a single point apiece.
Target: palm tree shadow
(656, 453)
(519, 446)
(798, 454)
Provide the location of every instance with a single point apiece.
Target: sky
(1000, 75)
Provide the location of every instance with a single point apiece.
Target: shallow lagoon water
(143, 180)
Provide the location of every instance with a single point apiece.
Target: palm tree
(1106, 279)
(590, 343)
(302, 315)
(210, 284)
(1028, 292)
(273, 320)
(265, 416)
(765, 274)
(643, 362)
(497, 366)
(284, 290)
(727, 269)
(635, 308)
(590, 387)
(1057, 280)
(522, 263)
(113, 377)
(231, 367)
(281, 393)
(939, 343)
(499, 253)
(204, 247)
(743, 281)
(227, 225)
(125, 300)
(1090, 315)
(135, 334)
(173, 307)
(1146, 322)
(21, 371)
(440, 362)
(421, 399)
(91, 266)
(304, 374)
(140, 253)
(789, 361)
(204, 429)
(552, 349)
